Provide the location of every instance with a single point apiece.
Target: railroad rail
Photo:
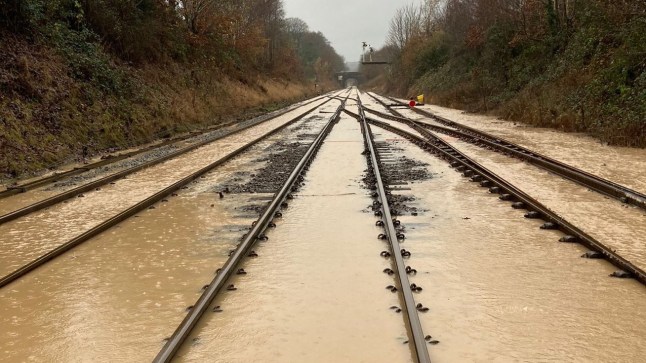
(484, 139)
(131, 211)
(24, 187)
(58, 198)
(111, 159)
(509, 192)
(412, 319)
(199, 308)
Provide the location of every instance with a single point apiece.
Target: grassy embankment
(582, 73)
(48, 116)
(98, 76)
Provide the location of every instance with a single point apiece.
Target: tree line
(574, 64)
(235, 35)
(94, 76)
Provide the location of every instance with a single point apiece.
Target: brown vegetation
(96, 75)
(570, 64)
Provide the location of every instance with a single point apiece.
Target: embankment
(49, 115)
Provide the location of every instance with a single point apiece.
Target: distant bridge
(347, 79)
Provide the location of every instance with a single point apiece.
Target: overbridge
(347, 79)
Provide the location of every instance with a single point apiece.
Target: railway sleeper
(549, 225)
(486, 183)
(621, 274)
(593, 255)
(518, 205)
(569, 239)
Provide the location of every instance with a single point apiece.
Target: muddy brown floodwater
(316, 291)
(33, 235)
(116, 297)
(500, 289)
(620, 227)
(626, 166)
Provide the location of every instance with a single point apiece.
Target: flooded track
(316, 291)
(244, 249)
(107, 171)
(623, 165)
(491, 142)
(501, 289)
(130, 286)
(492, 285)
(621, 228)
(394, 229)
(38, 233)
(78, 172)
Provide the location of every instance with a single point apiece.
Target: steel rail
(112, 177)
(182, 332)
(4, 281)
(22, 188)
(480, 138)
(460, 161)
(412, 318)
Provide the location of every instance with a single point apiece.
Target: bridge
(347, 78)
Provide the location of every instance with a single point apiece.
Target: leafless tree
(432, 13)
(405, 25)
(296, 25)
(192, 10)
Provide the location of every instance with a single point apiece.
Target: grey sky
(347, 23)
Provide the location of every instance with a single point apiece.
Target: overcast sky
(347, 23)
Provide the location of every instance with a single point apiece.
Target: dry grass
(48, 117)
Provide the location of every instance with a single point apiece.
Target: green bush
(585, 73)
(86, 59)
(434, 54)
(137, 31)
(18, 16)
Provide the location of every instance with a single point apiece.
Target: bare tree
(270, 14)
(296, 25)
(458, 17)
(192, 10)
(432, 13)
(404, 26)
(296, 28)
(195, 12)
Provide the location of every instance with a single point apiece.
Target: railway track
(478, 173)
(491, 142)
(138, 207)
(243, 249)
(417, 340)
(377, 155)
(90, 186)
(417, 337)
(111, 159)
